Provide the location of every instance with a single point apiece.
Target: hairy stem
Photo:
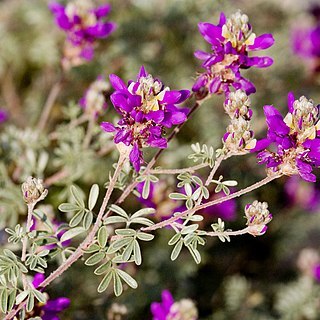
(228, 233)
(212, 203)
(178, 171)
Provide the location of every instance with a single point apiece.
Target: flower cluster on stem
(296, 138)
(231, 41)
(146, 108)
(83, 25)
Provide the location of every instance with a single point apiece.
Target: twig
(63, 173)
(212, 203)
(178, 171)
(228, 233)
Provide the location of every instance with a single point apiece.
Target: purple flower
(226, 210)
(303, 194)
(83, 24)
(93, 101)
(169, 309)
(51, 309)
(231, 40)
(296, 139)
(3, 115)
(146, 108)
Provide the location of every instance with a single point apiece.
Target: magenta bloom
(296, 138)
(83, 24)
(146, 108)
(3, 115)
(160, 310)
(52, 308)
(231, 41)
(226, 211)
(302, 194)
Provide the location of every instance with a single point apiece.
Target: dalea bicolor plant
(149, 116)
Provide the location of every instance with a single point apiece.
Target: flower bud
(33, 190)
(258, 216)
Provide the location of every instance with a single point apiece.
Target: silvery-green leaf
(77, 196)
(21, 296)
(195, 254)
(225, 189)
(117, 285)
(205, 192)
(10, 254)
(118, 244)
(11, 299)
(105, 282)
(43, 253)
(196, 217)
(230, 183)
(177, 196)
(3, 300)
(146, 189)
(174, 239)
(188, 189)
(87, 221)
(125, 232)
(197, 180)
(103, 268)
(95, 258)
(196, 194)
(102, 236)
(114, 219)
(176, 250)
(126, 255)
(119, 211)
(40, 215)
(30, 302)
(144, 236)
(127, 278)
(137, 253)
(141, 178)
(93, 196)
(68, 207)
(72, 233)
(143, 221)
(39, 296)
(93, 248)
(143, 212)
(77, 218)
(189, 204)
(153, 179)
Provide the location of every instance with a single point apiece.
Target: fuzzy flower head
(231, 40)
(93, 102)
(84, 24)
(296, 138)
(33, 190)
(239, 136)
(258, 216)
(168, 309)
(146, 108)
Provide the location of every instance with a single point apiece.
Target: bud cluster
(183, 310)
(238, 30)
(239, 136)
(33, 190)
(258, 216)
(93, 102)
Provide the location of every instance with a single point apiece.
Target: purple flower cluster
(306, 41)
(231, 40)
(169, 309)
(83, 24)
(146, 108)
(51, 309)
(296, 138)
